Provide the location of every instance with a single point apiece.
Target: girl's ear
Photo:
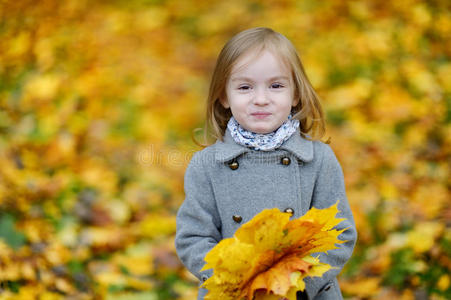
(224, 102)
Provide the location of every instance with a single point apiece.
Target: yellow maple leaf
(269, 256)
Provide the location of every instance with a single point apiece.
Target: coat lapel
(300, 147)
(228, 149)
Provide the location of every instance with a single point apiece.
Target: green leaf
(133, 296)
(9, 233)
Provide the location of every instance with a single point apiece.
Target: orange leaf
(277, 278)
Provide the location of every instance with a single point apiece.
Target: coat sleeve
(198, 222)
(329, 187)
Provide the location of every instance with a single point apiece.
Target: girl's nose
(260, 97)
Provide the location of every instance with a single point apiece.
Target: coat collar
(228, 149)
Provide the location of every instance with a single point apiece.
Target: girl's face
(260, 92)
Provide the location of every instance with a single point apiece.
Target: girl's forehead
(249, 57)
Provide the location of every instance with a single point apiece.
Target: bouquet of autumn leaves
(269, 256)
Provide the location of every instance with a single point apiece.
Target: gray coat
(227, 184)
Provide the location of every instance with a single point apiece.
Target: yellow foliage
(350, 95)
(362, 287)
(43, 87)
(19, 44)
(135, 264)
(443, 282)
(151, 18)
(271, 253)
(426, 232)
(155, 225)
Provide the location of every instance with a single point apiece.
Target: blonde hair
(308, 110)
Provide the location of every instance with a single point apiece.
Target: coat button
(285, 161)
(289, 210)
(237, 218)
(233, 165)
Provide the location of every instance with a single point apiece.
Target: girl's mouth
(260, 115)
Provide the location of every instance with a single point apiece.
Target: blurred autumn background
(98, 100)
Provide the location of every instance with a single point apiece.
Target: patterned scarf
(262, 141)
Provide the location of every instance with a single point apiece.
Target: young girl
(267, 120)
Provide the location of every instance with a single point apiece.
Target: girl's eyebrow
(249, 79)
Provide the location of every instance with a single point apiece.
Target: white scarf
(262, 141)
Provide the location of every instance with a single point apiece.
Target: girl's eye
(276, 86)
(244, 87)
